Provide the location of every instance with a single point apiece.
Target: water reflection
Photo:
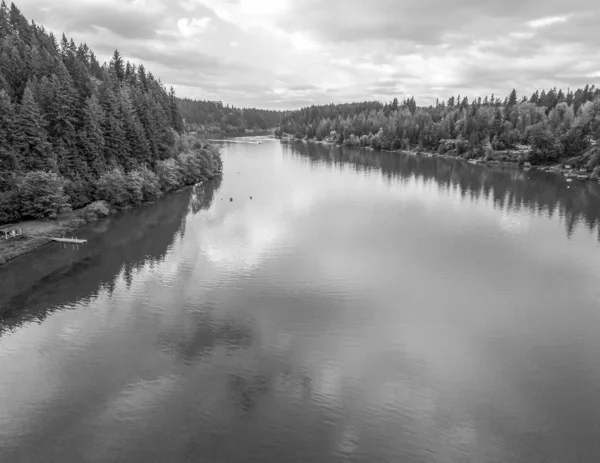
(361, 307)
(118, 246)
(507, 188)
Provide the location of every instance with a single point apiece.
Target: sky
(287, 54)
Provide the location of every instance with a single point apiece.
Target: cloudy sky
(293, 53)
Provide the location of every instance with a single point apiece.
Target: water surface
(360, 307)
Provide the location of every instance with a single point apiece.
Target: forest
(547, 127)
(74, 131)
(214, 117)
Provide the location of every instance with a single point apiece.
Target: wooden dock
(68, 240)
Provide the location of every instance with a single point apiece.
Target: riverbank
(562, 168)
(38, 233)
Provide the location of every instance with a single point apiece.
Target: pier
(68, 240)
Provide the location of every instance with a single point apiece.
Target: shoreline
(569, 173)
(38, 233)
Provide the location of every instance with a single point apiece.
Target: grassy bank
(37, 233)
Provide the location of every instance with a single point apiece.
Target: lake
(361, 307)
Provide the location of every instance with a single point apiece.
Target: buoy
(230, 199)
(250, 197)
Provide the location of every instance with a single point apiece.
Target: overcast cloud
(292, 53)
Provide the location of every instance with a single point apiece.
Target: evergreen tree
(62, 120)
(8, 156)
(138, 148)
(31, 140)
(176, 119)
(117, 66)
(512, 98)
(112, 126)
(90, 139)
(5, 29)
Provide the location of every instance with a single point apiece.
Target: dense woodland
(212, 116)
(73, 130)
(547, 127)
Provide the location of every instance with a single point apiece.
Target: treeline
(73, 130)
(213, 116)
(546, 127)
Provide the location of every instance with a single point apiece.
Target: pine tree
(31, 140)
(62, 119)
(19, 25)
(512, 98)
(137, 144)
(161, 122)
(112, 126)
(116, 65)
(8, 157)
(176, 119)
(4, 21)
(90, 139)
(14, 65)
(535, 97)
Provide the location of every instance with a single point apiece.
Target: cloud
(189, 27)
(299, 52)
(543, 22)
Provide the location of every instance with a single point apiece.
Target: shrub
(96, 210)
(78, 193)
(134, 185)
(543, 143)
(9, 207)
(461, 145)
(42, 195)
(169, 177)
(112, 187)
(396, 144)
(594, 160)
(150, 185)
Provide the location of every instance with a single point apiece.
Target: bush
(134, 186)
(461, 145)
(594, 160)
(112, 188)
(169, 177)
(42, 195)
(150, 185)
(543, 143)
(96, 210)
(78, 193)
(9, 207)
(596, 173)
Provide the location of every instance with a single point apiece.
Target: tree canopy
(548, 126)
(213, 116)
(71, 121)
